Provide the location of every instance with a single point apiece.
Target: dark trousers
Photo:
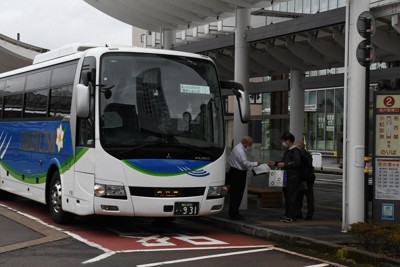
(291, 193)
(237, 179)
(309, 194)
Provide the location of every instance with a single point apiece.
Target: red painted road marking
(127, 234)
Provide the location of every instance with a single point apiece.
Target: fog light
(216, 207)
(109, 208)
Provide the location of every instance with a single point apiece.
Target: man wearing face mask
(291, 163)
(239, 164)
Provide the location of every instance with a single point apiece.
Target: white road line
(193, 248)
(205, 257)
(100, 257)
(318, 265)
(309, 257)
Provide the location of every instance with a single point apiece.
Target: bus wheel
(4, 195)
(55, 203)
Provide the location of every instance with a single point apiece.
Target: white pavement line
(195, 248)
(309, 257)
(318, 265)
(100, 257)
(206, 257)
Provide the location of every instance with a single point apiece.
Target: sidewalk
(323, 234)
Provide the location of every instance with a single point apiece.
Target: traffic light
(366, 28)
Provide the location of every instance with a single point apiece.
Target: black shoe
(288, 220)
(237, 217)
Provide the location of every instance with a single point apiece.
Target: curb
(341, 252)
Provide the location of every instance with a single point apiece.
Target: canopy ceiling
(154, 15)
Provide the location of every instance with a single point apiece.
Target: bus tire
(4, 195)
(55, 202)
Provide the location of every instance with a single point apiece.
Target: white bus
(115, 131)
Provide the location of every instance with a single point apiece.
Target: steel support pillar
(353, 147)
(296, 105)
(242, 76)
(241, 67)
(168, 39)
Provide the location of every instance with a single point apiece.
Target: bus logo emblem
(60, 138)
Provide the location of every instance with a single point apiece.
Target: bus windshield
(160, 106)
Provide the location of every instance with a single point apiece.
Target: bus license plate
(186, 208)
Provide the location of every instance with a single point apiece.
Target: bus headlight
(109, 191)
(217, 191)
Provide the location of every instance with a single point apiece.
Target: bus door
(85, 143)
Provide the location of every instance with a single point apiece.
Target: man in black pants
(239, 164)
(291, 163)
(308, 179)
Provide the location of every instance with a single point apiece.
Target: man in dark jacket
(308, 179)
(291, 163)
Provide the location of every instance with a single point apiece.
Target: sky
(55, 23)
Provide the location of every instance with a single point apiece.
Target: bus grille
(166, 192)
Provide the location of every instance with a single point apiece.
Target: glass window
(63, 75)
(38, 80)
(2, 84)
(291, 6)
(330, 119)
(321, 120)
(15, 85)
(323, 5)
(310, 98)
(153, 99)
(341, 3)
(283, 7)
(13, 106)
(311, 130)
(333, 4)
(36, 103)
(66, 98)
(60, 101)
(339, 98)
(299, 6)
(314, 6)
(307, 6)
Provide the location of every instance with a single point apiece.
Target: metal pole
(345, 126)
(366, 136)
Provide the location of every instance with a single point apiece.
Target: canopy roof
(154, 15)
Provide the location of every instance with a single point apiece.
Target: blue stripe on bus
(169, 167)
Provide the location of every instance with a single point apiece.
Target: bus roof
(75, 51)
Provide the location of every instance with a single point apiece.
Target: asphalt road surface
(30, 238)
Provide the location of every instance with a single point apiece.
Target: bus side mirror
(241, 97)
(82, 101)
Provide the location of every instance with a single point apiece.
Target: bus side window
(2, 85)
(13, 106)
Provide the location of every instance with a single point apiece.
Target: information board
(386, 164)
